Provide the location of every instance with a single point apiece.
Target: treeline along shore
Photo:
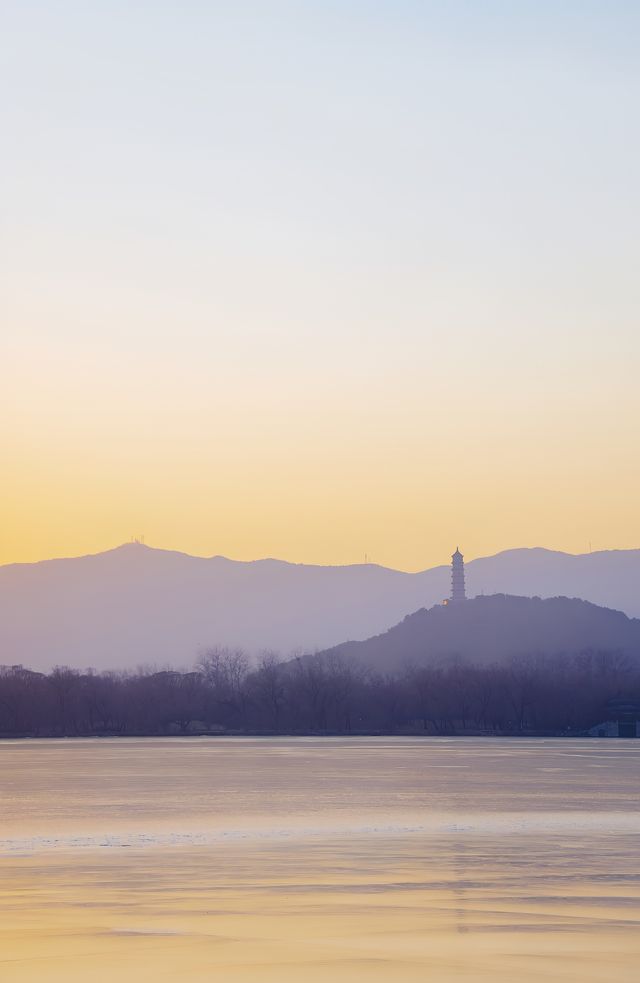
(319, 694)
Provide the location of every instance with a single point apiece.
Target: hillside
(497, 627)
(134, 604)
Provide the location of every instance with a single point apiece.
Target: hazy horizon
(136, 603)
(368, 561)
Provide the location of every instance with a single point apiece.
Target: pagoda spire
(458, 592)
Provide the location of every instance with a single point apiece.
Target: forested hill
(495, 628)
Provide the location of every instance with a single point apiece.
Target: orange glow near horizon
(404, 501)
(321, 455)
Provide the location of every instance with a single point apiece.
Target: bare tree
(225, 671)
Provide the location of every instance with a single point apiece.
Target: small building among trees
(623, 720)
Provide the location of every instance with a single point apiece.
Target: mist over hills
(135, 605)
(496, 628)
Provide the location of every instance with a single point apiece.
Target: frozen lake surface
(344, 859)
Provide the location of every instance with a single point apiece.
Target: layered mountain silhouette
(136, 605)
(496, 628)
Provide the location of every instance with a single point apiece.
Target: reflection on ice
(378, 860)
(482, 824)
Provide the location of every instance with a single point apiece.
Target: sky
(319, 280)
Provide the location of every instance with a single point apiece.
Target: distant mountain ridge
(134, 604)
(495, 628)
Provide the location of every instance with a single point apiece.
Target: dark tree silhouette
(327, 693)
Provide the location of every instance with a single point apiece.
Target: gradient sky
(319, 279)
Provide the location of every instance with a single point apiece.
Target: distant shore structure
(458, 592)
